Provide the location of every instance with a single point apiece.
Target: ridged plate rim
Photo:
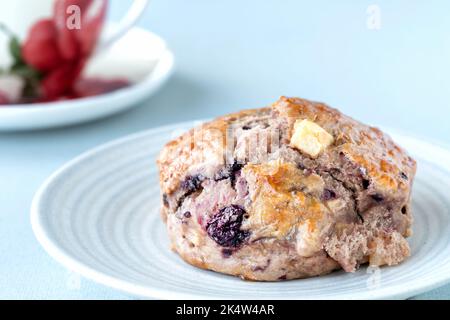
(72, 263)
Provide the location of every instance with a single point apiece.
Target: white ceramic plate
(140, 56)
(99, 216)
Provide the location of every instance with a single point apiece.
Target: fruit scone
(290, 191)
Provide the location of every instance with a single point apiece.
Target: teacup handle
(134, 13)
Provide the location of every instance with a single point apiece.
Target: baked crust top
(383, 162)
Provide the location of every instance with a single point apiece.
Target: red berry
(3, 99)
(59, 82)
(60, 52)
(40, 49)
(66, 39)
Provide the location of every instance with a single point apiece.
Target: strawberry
(66, 40)
(53, 55)
(58, 82)
(3, 99)
(40, 49)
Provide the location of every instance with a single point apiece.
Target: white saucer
(140, 56)
(99, 216)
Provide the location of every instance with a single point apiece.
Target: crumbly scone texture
(240, 198)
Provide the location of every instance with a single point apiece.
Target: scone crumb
(310, 138)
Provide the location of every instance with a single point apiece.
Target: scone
(290, 191)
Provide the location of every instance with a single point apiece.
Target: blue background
(242, 54)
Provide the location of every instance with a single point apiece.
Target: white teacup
(20, 15)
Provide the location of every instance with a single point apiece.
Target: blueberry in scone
(289, 191)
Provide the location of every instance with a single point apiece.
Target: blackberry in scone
(290, 191)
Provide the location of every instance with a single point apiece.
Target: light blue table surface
(242, 54)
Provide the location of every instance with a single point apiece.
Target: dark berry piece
(235, 167)
(187, 214)
(404, 210)
(246, 128)
(328, 195)
(229, 172)
(403, 175)
(226, 253)
(365, 184)
(283, 277)
(378, 198)
(165, 199)
(225, 227)
(192, 183)
(222, 175)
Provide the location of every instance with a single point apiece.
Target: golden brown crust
(205, 143)
(277, 203)
(368, 146)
